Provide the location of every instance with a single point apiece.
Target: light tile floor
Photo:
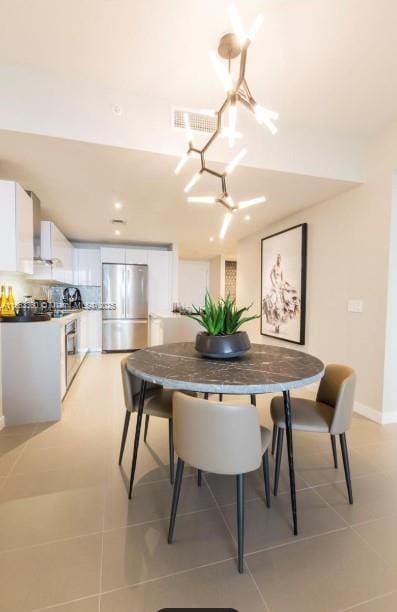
(70, 540)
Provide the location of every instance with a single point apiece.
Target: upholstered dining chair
(158, 403)
(221, 438)
(331, 413)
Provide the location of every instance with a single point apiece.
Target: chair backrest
(131, 387)
(216, 436)
(337, 390)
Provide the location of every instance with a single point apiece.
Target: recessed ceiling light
(117, 232)
(247, 217)
(117, 110)
(118, 205)
(211, 239)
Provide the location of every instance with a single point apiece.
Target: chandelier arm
(213, 172)
(243, 62)
(247, 103)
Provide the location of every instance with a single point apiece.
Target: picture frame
(283, 284)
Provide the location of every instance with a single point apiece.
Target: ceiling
(327, 66)
(78, 184)
(327, 63)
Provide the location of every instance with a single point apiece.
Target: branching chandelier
(230, 47)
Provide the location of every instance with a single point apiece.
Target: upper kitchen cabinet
(87, 267)
(136, 256)
(161, 271)
(57, 249)
(112, 255)
(16, 229)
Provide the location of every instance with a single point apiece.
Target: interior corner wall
(348, 258)
(217, 277)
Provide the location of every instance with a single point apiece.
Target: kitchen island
(35, 365)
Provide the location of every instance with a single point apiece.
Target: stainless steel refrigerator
(125, 327)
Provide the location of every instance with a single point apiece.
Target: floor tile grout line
(361, 603)
(358, 534)
(24, 447)
(265, 605)
(64, 603)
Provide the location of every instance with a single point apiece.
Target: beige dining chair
(221, 438)
(158, 403)
(331, 412)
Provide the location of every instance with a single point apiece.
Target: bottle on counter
(3, 300)
(10, 304)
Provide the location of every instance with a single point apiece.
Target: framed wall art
(283, 284)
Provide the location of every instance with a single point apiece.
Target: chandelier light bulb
(226, 131)
(237, 24)
(256, 26)
(222, 72)
(232, 165)
(181, 163)
(188, 129)
(248, 203)
(226, 222)
(195, 178)
(265, 117)
(202, 199)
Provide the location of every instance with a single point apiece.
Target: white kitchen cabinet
(160, 281)
(112, 255)
(56, 248)
(16, 229)
(94, 330)
(87, 267)
(136, 256)
(82, 333)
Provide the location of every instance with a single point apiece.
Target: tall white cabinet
(16, 229)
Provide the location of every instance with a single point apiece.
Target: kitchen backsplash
(89, 295)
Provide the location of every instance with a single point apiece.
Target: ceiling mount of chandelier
(231, 46)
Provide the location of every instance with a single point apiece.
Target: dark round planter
(222, 347)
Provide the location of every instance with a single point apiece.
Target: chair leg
(199, 478)
(171, 449)
(139, 415)
(265, 464)
(345, 457)
(275, 428)
(175, 498)
(124, 436)
(146, 427)
(334, 453)
(279, 452)
(253, 399)
(206, 395)
(221, 397)
(240, 521)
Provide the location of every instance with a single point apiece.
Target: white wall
(348, 257)
(217, 277)
(193, 281)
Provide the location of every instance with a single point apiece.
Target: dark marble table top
(263, 369)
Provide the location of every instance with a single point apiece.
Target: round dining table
(263, 369)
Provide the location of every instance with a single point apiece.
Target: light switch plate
(355, 306)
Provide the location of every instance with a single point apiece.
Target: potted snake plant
(222, 338)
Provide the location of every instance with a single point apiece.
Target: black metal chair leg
(124, 436)
(146, 427)
(334, 453)
(199, 478)
(221, 397)
(253, 399)
(171, 449)
(137, 434)
(274, 438)
(265, 464)
(175, 498)
(279, 452)
(206, 395)
(345, 457)
(240, 521)
(288, 430)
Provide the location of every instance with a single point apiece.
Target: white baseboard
(2, 422)
(383, 418)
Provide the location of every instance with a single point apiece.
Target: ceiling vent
(199, 122)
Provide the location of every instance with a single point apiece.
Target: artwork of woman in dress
(283, 268)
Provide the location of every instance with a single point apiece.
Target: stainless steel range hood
(37, 230)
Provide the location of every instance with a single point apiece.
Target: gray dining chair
(331, 412)
(158, 403)
(221, 438)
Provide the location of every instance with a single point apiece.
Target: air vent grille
(198, 122)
